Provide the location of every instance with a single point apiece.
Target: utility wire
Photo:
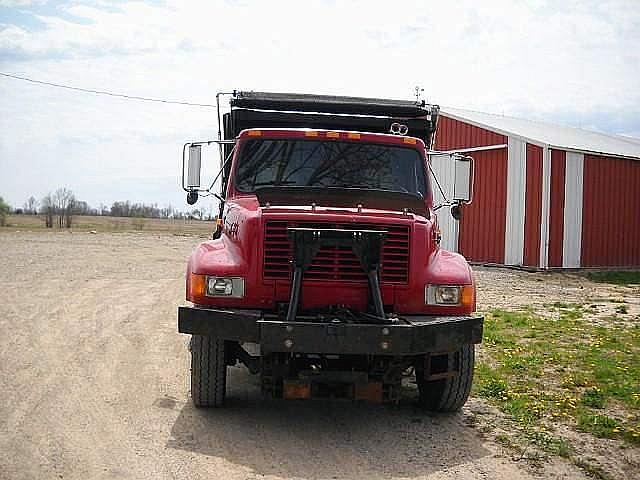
(111, 94)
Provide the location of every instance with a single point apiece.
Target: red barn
(545, 196)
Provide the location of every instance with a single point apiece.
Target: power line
(102, 92)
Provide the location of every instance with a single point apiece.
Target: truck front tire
(449, 394)
(208, 371)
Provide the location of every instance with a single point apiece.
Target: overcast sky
(574, 63)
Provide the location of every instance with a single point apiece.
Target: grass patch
(551, 444)
(615, 277)
(622, 309)
(543, 371)
(601, 426)
(593, 397)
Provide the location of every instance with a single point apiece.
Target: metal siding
(483, 223)
(481, 231)
(556, 210)
(611, 212)
(533, 209)
(572, 238)
(444, 170)
(516, 195)
(546, 207)
(453, 134)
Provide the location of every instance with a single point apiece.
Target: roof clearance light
(410, 140)
(255, 133)
(333, 135)
(353, 136)
(310, 133)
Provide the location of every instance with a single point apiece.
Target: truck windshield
(316, 163)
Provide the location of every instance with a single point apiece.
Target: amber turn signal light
(468, 296)
(197, 285)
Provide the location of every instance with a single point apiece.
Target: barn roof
(554, 136)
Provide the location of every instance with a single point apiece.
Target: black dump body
(326, 112)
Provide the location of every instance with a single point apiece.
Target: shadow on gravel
(323, 439)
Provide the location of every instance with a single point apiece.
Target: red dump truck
(324, 275)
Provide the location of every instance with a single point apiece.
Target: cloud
(573, 62)
(20, 3)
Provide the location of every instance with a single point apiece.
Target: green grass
(593, 397)
(542, 371)
(599, 425)
(615, 277)
(622, 309)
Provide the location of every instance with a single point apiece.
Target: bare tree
(48, 209)
(31, 205)
(64, 200)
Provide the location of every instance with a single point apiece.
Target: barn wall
(556, 211)
(481, 231)
(545, 207)
(454, 134)
(483, 224)
(611, 212)
(533, 211)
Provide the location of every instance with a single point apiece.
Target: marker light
(333, 135)
(353, 136)
(255, 133)
(310, 133)
(410, 140)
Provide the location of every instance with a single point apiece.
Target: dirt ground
(94, 381)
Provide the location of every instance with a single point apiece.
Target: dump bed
(326, 112)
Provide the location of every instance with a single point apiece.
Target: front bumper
(416, 334)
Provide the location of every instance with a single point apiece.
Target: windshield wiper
(369, 187)
(279, 184)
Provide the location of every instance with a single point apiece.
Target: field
(86, 223)
(94, 377)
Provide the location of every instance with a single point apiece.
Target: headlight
(444, 294)
(225, 287)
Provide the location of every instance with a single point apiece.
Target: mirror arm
(447, 202)
(222, 167)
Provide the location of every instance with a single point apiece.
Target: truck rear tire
(449, 394)
(208, 371)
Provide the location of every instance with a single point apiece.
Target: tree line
(59, 208)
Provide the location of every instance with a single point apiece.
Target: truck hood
(354, 199)
(354, 214)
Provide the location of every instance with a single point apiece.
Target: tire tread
(451, 394)
(208, 371)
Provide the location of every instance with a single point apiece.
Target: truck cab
(324, 275)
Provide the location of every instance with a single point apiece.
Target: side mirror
(463, 179)
(194, 164)
(456, 211)
(192, 167)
